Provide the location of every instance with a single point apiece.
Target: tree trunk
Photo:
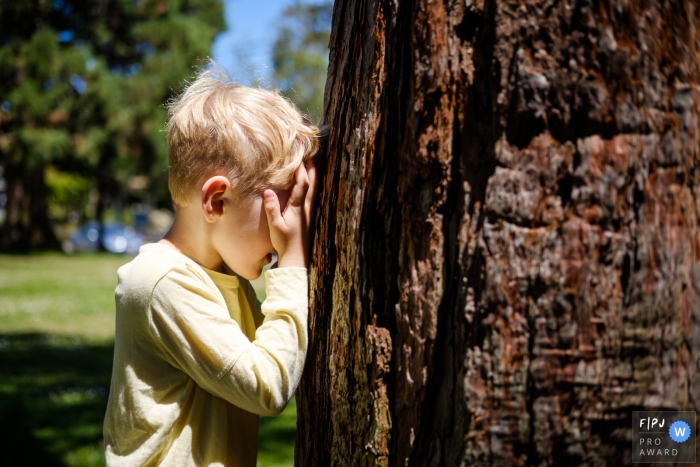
(26, 226)
(507, 255)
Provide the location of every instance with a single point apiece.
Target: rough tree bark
(507, 259)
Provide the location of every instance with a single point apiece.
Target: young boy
(196, 357)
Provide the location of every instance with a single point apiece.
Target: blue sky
(244, 50)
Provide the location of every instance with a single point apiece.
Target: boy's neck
(188, 237)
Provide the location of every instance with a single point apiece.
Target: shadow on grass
(277, 438)
(53, 395)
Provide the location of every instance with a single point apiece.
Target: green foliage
(67, 192)
(300, 55)
(83, 84)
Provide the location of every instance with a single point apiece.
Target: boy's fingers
(301, 186)
(272, 208)
(313, 187)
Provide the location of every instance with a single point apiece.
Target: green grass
(56, 346)
(277, 437)
(58, 294)
(52, 399)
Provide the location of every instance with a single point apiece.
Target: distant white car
(116, 238)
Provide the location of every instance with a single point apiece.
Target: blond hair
(254, 137)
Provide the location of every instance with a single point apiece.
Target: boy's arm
(267, 373)
(198, 337)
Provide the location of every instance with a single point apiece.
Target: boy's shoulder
(153, 263)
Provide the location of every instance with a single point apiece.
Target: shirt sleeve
(198, 336)
(272, 379)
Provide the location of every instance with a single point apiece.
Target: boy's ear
(213, 191)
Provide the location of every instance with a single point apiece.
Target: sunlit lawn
(56, 344)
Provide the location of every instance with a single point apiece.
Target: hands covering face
(289, 230)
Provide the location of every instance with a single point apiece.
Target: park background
(82, 150)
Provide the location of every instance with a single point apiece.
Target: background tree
(300, 55)
(82, 87)
(507, 256)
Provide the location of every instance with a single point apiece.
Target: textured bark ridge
(507, 258)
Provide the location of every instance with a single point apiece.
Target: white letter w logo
(680, 431)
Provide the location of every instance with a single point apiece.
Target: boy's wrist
(286, 284)
(291, 264)
(291, 261)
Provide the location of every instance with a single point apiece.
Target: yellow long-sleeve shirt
(196, 359)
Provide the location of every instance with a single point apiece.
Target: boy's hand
(289, 230)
